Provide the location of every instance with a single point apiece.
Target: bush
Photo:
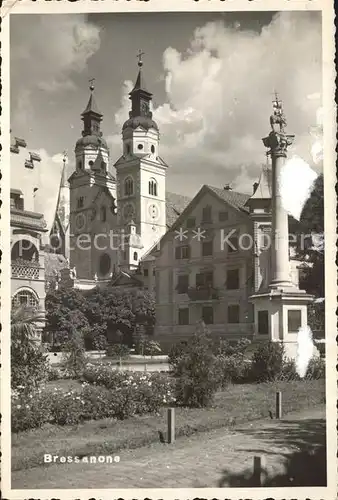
(74, 354)
(315, 369)
(268, 362)
(196, 371)
(112, 394)
(117, 350)
(29, 365)
(233, 369)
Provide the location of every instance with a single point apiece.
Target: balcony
(203, 293)
(25, 269)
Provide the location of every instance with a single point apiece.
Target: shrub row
(125, 395)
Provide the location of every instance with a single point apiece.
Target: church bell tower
(141, 173)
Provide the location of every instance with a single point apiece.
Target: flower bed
(110, 395)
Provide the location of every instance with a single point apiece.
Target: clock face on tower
(128, 211)
(154, 212)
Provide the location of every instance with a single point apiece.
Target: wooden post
(258, 470)
(171, 425)
(278, 404)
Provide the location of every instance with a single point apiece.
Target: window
(208, 315)
(80, 165)
(128, 186)
(206, 214)
(135, 256)
(91, 163)
(183, 316)
(294, 320)
(191, 222)
(25, 298)
(232, 282)
(140, 146)
(105, 264)
(207, 248)
(103, 165)
(152, 149)
(182, 252)
(128, 149)
(145, 272)
(103, 213)
(153, 187)
(80, 202)
(263, 322)
(17, 201)
(182, 283)
(233, 244)
(204, 279)
(223, 216)
(233, 314)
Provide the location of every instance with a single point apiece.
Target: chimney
(227, 187)
(254, 187)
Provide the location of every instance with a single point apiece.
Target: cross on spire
(91, 84)
(139, 56)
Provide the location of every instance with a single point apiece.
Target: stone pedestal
(278, 316)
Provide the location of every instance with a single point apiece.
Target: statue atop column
(278, 140)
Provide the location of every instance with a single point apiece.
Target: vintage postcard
(168, 239)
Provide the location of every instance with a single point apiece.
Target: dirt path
(207, 459)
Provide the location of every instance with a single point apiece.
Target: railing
(203, 293)
(25, 269)
(26, 218)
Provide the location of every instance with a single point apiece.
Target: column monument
(280, 307)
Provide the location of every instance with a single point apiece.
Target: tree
(65, 311)
(29, 365)
(312, 222)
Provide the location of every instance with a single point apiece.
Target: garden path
(209, 459)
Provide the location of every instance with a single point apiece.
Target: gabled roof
(234, 198)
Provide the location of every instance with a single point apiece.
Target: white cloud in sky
(219, 97)
(49, 57)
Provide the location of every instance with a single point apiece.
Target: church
(203, 258)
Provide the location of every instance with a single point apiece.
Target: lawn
(238, 404)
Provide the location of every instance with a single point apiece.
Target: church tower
(59, 234)
(141, 176)
(93, 217)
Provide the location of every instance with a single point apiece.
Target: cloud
(71, 42)
(219, 94)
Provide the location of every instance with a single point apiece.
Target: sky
(212, 76)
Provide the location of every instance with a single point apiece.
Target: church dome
(140, 121)
(91, 140)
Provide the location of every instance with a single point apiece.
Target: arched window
(128, 186)
(103, 212)
(24, 250)
(135, 255)
(25, 297)
(153, 187)
(105, 264)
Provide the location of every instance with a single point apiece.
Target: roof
(16, 191)
(264, 188)
(175, 204)
(140, 83)
(92, 107)
(234, 198)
